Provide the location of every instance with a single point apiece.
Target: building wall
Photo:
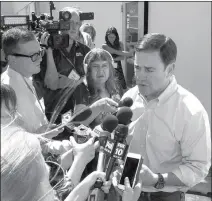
(16, 7)
(189, 25)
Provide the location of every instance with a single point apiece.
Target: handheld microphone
(109, 123)
(124, 115)
(69, 120)
(127, 102)
(118, 149)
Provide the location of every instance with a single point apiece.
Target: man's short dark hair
(12, 37)
(158, 42)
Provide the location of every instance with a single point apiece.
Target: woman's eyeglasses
(33, 57)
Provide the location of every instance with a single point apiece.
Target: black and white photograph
(105, 100)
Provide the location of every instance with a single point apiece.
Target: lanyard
(34, 93)
(69, 61)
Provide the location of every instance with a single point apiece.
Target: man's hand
(84, 152)
(66, 159)
(53, 132)
(86, 185)
(44, 39)
(105, 105)
(147, 177)
(129, 193)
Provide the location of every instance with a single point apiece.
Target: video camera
(46, 23)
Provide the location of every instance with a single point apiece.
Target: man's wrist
(155, 179)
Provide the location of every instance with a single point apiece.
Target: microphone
(118, 148)
(109, 123)
(69, 120)
(124, 115)
(126, 102)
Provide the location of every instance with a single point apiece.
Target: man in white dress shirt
(170, 126)
(24, 55)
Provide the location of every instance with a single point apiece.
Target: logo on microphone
(109, 146)
(119, 151)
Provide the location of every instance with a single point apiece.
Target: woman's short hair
(158, 42)
(99, 54)
(22, 165)
(85, 26)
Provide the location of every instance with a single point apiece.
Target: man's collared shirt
(28, 106)
(172, 133)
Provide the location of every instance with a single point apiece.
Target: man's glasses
(33, 57)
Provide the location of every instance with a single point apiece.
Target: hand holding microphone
(84, 152)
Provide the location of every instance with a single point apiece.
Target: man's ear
(170, 69)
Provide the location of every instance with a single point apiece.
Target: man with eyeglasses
(24, 55)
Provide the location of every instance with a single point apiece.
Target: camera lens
(66, 15)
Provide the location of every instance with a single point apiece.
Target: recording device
(131, 169)
(124, 115)
(116, 148)
(101, 132)
(46, 23)
(109, 123)
(128, 102)
(69, 120)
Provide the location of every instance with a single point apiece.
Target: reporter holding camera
(61, 66)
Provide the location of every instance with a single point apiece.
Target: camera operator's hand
(105, 105)
(84, 152)
(44, 39)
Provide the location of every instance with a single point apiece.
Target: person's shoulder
(83, 47)
(189, 101)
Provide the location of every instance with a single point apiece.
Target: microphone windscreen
(124, 115)
(121, 132)
(127, 102)
(109, 123)
(83, 115)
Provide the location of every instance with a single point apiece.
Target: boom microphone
(124, 115)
